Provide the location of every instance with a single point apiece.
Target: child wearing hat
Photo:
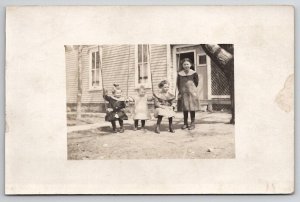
(115, 109)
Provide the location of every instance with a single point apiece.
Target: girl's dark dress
(117, 105)
(187, 87)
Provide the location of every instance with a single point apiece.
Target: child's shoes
(192, 126)
(185, 126)
(171, 130)
(157, 130)
(121, 130)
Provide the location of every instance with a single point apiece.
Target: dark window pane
(97, 59)
(93, 77)
(139, 74)
(140, 53)
(202, 59)
(93, 60)
(145, 72)
(145, 52)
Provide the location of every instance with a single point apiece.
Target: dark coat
(117, 105)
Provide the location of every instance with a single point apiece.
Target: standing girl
(141, 111)
(115, 110)
(187, 82)
(164, 103)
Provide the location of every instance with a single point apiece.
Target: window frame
(95, 49)
(148, 84)
(198, 59)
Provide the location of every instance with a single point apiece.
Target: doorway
(182, 55)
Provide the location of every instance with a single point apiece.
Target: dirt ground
(213, 138)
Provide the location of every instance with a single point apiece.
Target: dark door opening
(189, 55)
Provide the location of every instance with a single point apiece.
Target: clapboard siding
(158, 64)
(116, 63)
(118, 67)
(112, 51)
(71, 72)
(173, 66)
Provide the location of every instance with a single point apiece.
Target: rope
(151, 74)
(100, 66)
(128, 70)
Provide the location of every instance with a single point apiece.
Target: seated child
(115, 109)
(164, 103)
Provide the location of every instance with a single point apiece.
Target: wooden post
(79, 92)
(208, 69)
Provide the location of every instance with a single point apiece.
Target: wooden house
(89, 68)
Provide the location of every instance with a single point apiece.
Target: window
(143, 74)
(201, 60)
(95, 69)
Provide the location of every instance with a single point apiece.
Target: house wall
(71, 72)
(117, 61)
(114, 68)
(158, 64)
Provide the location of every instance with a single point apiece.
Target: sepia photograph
(150, 101)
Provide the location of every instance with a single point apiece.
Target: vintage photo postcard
(149, 100)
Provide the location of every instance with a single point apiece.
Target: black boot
(136, 123)
(185, 119)
(143, 125)
(157, 129)
(170, 125)
(192, 126)
(121, 126)
(113, 124)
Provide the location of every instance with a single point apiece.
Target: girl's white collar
(182, 73)
(167, 96)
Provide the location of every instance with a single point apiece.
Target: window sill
(95, 89)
